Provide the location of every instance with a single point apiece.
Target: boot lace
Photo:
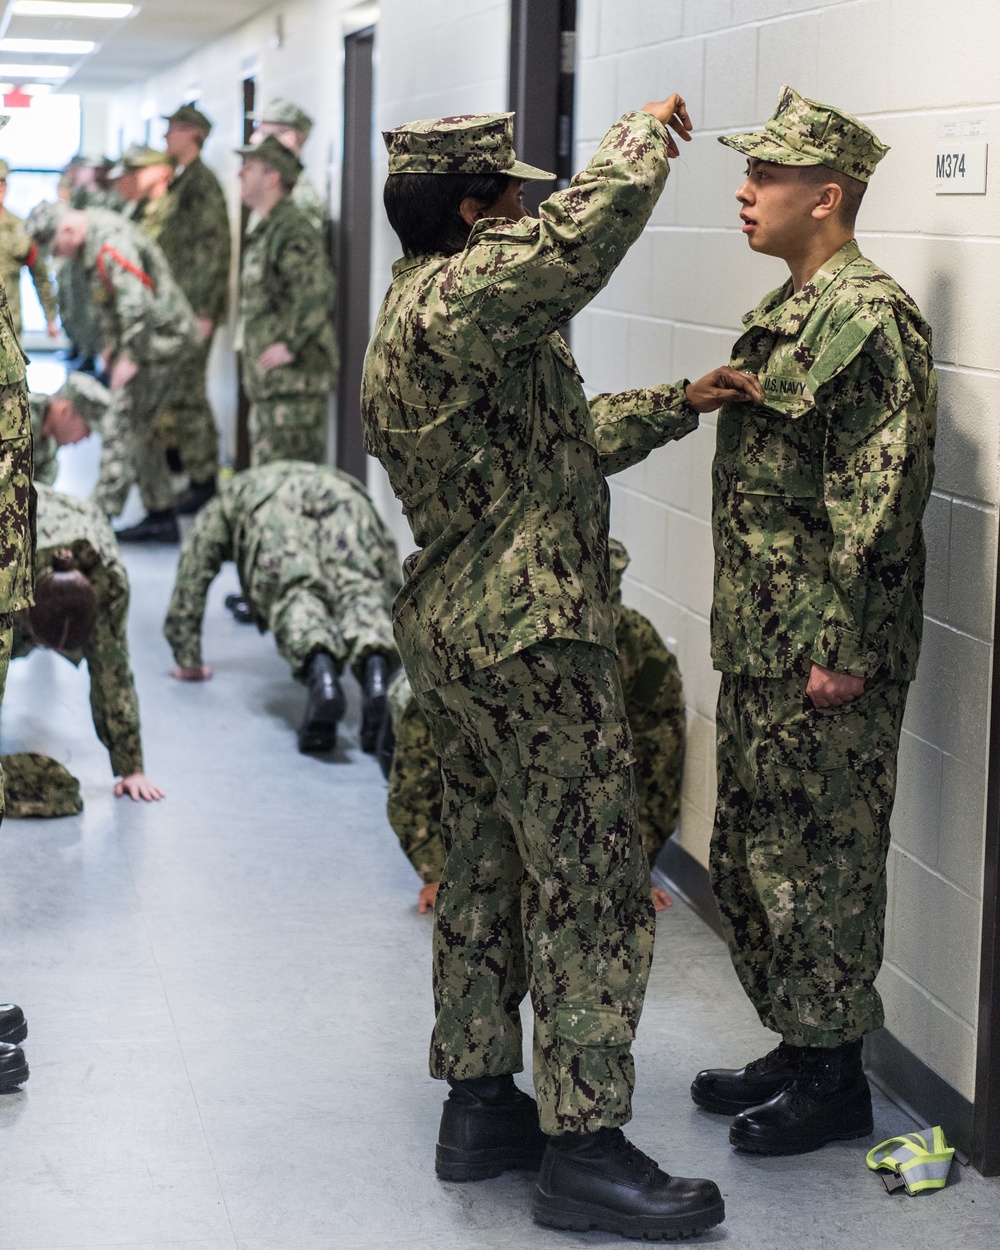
(633, 1156)
(781, 1057)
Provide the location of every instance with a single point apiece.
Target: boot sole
(753, 1145)
(481, 1165)
(723, 1106)
(317, 741)
(16, 1034)
(579, 1217)
(12, 1079)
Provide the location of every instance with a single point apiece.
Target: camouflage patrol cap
(274, 153)
(480, 143)
(188, 115)
(88, 396)
(802, 132)
(4, 169)
(138, 156)
(43, 221)
(284, 113)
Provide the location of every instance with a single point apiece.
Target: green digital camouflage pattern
(37, 786)
(185, 411)
(288, 427)
(131, 447)
(144, 313)
(308, 200)
(141, 307)
(473, 143)
(316, 564)
(17, 248)
(545, 886)
(67, 522)
(287, 296)
(803, 132)
(819, 493)
(17, 501)
(472, 402)
(194, 236)
(654, 706)
(77, 310)
(44, 447)
(799, 849)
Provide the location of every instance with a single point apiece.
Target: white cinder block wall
(674, 309)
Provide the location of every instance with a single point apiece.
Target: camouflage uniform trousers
(799, 851)
(186, 418)
(6, 644)
(322, 588)
(131, 449)
(546, 887)
(288, 427)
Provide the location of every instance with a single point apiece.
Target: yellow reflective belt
(917, 1160)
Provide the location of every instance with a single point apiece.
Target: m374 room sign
(960, 159)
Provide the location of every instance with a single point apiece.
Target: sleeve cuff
(845, 651)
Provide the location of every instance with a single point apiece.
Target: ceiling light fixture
(49, 47)
(72, 8)
(34, 71)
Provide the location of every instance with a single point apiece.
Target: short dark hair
(65, 606)
(423, 208)
(853, 188)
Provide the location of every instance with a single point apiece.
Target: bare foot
(661, 899)
(427, 895)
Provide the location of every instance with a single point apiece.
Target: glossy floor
(229, 1003)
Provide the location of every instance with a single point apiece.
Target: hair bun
(63, 561)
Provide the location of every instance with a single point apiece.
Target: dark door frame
(541, 88)
(354, 267)
(986, 1108)
(249, 89)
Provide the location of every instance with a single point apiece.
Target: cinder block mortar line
(924, 992)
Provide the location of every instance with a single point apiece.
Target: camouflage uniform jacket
(286, 296)
(819, 493)
(141, 308)
(473, 404)
(192, 229)
(17, 497)
(308, 200)
(66, 522)
(44, 445)
(17, 249)
(237, 525)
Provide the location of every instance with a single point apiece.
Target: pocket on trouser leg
(833, 957)
(592, 1067)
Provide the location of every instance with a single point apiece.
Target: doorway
(249, 103)
(354, 269)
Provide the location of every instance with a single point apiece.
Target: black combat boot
(195, 496)
(13, 1026)
(155, 527)
(488, 1126)
(174, 462)
(728, 1090)
(13, 1067)
(600, 1180)
(241, 610)
(324, 706)
(828, 1099)
(374, 700)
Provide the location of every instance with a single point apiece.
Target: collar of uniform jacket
(788, 313)
(406, 263)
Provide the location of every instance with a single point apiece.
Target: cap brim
(4, 119)
(529, 173)
(763, 147)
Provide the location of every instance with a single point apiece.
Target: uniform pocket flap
(585, 1025)
(575, 750)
